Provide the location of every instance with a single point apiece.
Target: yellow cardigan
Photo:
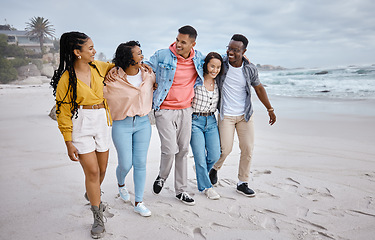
(85, 96)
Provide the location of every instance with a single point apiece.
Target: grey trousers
(174, 127)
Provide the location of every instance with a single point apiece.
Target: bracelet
(270, 110)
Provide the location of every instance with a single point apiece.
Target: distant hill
(269, 67)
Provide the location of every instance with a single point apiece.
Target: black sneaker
(158, 185)
(185, 198)
(245, 190)
(213, 176)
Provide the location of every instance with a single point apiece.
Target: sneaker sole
(187, 203)
(98, 235)
(214, 198)
(247, 195)
(143, 215)
(155, 192)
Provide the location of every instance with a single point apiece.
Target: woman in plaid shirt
(205, 142)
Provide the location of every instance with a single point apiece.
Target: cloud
(290, 33)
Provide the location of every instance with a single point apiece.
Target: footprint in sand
(193, 214)
(311, 224)
(316, 194)
(224, 182)
(370, 201)
(273, 212)
(290, 186)
(197, 232)
(234, 211)
(218, 225)
(164, 203)
(370, 176)
(263, 194)
(362, 213)
(257, 173)
(302, 211)
(269, 223)
(108, 212)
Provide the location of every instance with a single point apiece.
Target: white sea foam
(354, 82)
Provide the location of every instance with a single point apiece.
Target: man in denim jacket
(177, 69)
(236, 110)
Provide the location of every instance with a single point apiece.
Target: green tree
(11, 57)
(41, 28)
(7, 72)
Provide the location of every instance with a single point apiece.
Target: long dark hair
(68, 43)
(124, 56)
(210, 56)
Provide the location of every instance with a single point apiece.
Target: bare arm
(72, 151)
(262, 95)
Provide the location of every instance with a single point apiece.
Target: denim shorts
(91, 131)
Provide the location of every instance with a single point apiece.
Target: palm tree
(41, 28)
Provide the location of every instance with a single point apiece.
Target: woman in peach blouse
(129, 90)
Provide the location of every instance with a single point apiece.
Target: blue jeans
(205, 144)
(131, 137)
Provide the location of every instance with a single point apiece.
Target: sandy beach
(313, 171)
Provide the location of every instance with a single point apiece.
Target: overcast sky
(289, 33)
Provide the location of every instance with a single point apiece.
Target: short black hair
(124, 56)
(210, 56)
(240, 38)
(189, 30)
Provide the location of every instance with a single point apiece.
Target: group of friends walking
(183, 87)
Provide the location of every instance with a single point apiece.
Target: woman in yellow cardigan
(82, 114)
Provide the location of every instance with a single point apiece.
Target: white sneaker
(142, 210)
(211, 194)
(124, 194)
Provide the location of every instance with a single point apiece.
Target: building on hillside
(28, 42)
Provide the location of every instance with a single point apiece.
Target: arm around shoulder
(153, 62)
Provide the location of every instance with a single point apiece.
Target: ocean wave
(352, 82)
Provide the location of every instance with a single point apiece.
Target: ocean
(353, 82)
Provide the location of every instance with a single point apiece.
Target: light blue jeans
(131, 137)
(205, 144)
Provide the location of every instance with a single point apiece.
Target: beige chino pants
(245, 133)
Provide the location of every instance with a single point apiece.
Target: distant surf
(353, 82)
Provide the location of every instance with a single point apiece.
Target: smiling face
(213, 67)
(87, 51)
(235, 52)
(184, 44)
(137, 56)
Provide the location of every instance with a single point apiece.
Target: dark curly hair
(124, 56)
(210, 56)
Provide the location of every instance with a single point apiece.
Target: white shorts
(91, 131)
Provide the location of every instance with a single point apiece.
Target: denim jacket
(164, 64)
(250, 73)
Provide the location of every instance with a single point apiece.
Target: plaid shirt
(203, 101)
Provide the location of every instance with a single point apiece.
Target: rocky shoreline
(269, 67)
